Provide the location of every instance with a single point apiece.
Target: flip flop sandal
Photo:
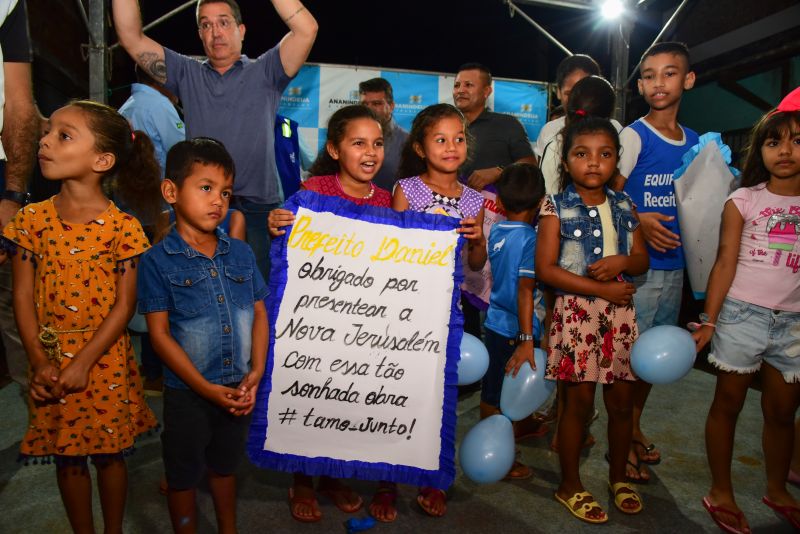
(543, 429)
(647, 450)
(589, 504)
(714, 510)
(519, 471)
(637, 466)
(624, 491)
(793, 478)
(312, 502)
(385, 498)
(433, 496)
(785, 511)
(337, 498)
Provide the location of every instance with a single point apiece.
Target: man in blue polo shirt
(229, 96)
(151, 108)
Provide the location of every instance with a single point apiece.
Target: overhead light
(612, 9)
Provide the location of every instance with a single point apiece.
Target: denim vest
(582, 232)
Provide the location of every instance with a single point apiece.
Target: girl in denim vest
(589, 245)
(752, 315)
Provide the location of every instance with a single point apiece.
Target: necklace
(365, 197)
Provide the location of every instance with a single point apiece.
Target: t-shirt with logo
(768, 268)
(649, 160)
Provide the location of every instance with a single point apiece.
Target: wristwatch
(16, 196)
(522, 337)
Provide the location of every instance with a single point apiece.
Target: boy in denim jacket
(202, 295)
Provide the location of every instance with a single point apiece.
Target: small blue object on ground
(359, 525)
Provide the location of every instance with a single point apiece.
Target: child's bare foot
(342, 496)
(303, 504)
(383, 502)
(433, 501)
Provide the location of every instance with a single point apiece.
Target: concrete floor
(29, 501)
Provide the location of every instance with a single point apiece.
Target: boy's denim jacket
(209, 302)
(582, 232)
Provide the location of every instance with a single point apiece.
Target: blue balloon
(487, 451)
(474, 360)
(525, 393)
(663, 354)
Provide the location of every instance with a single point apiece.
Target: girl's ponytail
(137, 178)
(136, 174)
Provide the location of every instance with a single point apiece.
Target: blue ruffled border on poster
(441, 478)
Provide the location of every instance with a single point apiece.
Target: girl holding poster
(435, 149)
(352, 157)
(752, 315)
(589, 245)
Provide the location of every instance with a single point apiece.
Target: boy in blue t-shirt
(652, 148)
(511, 326)
(202, 295)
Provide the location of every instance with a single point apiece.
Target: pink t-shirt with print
(768, 270)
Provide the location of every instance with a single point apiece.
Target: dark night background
(433, 35)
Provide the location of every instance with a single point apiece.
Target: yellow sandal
(582, 513)
(625, 491)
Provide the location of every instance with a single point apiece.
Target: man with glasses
(229, 96)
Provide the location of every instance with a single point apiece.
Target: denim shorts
(198, 435)
(747, 334)
(657, 298)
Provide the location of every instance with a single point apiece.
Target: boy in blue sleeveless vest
(652, 148)
(511, 326)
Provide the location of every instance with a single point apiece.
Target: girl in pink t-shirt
(752, 314)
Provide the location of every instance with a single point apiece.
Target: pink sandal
(784, 510)
(739, 516)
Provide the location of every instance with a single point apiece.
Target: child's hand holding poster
(364, 345)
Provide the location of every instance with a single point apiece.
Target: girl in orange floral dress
(589, 245)
(74, 293)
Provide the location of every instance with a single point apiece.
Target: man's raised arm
(143, 50)
(303, 27)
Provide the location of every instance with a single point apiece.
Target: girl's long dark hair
(578, 126)
(136, 175)
(337, 126)
(773, 125)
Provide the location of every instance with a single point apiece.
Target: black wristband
(16, 196)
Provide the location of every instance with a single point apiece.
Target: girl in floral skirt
(589, 244)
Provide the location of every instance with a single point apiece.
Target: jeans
(258, 237)
(658, 298)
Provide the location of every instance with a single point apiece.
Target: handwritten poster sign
(364, 345)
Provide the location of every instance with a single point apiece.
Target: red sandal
(385, 498)
(428, 499)
(785, 511)
(713, 510)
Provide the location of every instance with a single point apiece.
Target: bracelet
(290, 17)
(705, 320)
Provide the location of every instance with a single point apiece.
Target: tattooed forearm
(154, 65)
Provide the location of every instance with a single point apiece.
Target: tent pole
(514, 9)
(97, 51)
(660, 35)
(161, 19)
(620, 47)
